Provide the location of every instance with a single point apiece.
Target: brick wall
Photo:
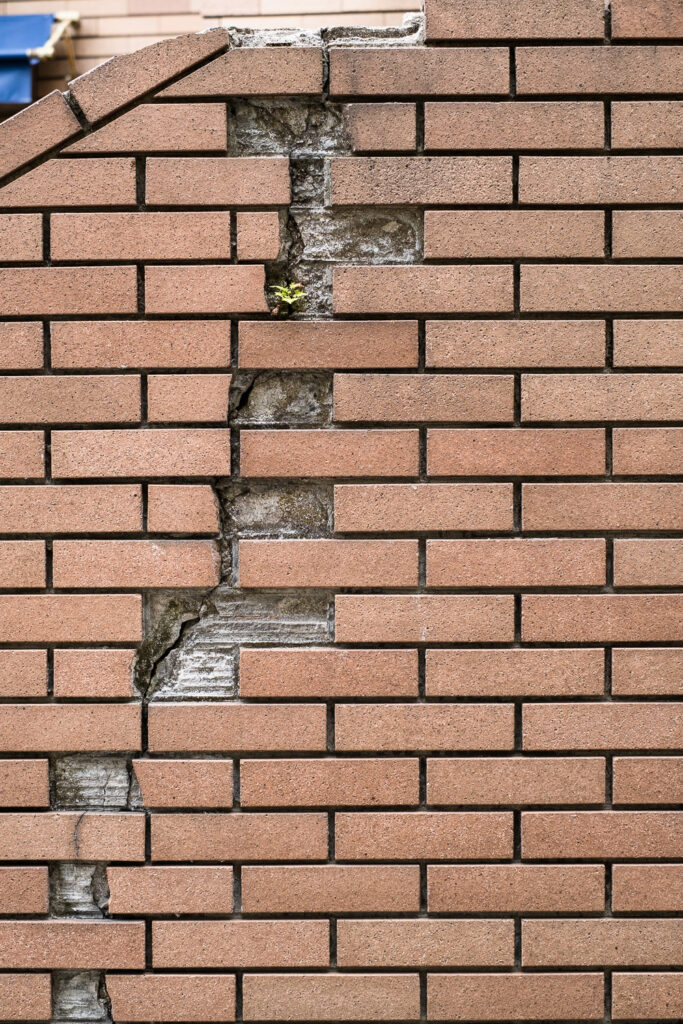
(339, 655)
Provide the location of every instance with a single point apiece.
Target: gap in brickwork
(190, 649)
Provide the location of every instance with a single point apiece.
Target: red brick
(94, 673)
(255, 71)
(116, 453)
(648, 343)
(70, 399)
(67, 727)
(240, 837)
(205, 289)
(502, 343)
(424, 835)
(24, 891)
(547, 835)
(135, 563)
(430, 289)
(613, 396)
(398, 397)
(515, 563)
(23, 783)
(160, 127)
(22, 454)
(647, 124)
(35, 130)
(355, 782)
(504, 997)
(140, 236)
(501, 234)
(328, 563)
(515, 673)
(22, 563)
(120, 344)
(603, 726)
(569, 452)
(331, 888)
(327, 345)
(26, 996)
(64, 835)
(648, 780)
(515, 780)
(166, 890)
(527, 19)
(583, 288)
(31, 291)
(184, 783)
(321, 672)
(521, 888)
(647, 672)
(424, 727)
(596, 943)
(102, 181)
(391, 508)
(328, 453)
(600, 179)
(647, 996)
(423, 618)
(240, 944)
(650, 451)
(70, 618)
(124, 78)
(217, 181)
(411, 71)
(69, 945)
(635, 19)
(21, 237)
(602, 618)
(647, 887)
(222, 727)
(64, 509)
(181, 997)
(21, 346)
(420, 180)
(648, 563)
(23, 673)
(258, 236)
(598, 70)
(178, 508)
(647, 233)
(600, 506)
(332, 997)
(379, 126)
(481, 125)
(427, 943)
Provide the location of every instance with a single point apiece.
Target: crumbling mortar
(308, 130)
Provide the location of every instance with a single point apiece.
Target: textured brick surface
(341, 649)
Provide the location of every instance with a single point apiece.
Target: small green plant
(289, 296)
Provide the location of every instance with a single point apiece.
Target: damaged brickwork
(339, 652)
(191, 640)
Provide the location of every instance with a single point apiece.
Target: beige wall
(109, 27)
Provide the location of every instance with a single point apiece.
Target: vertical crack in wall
(191, 639)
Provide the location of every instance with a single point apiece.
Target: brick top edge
(123, 79)
(36, 130)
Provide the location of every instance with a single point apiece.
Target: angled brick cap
(35, 130)
(123, 79)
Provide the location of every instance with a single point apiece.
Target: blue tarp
(19, 33)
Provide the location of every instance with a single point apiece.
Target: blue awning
(18, 34)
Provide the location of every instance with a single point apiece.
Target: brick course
(344, 649)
